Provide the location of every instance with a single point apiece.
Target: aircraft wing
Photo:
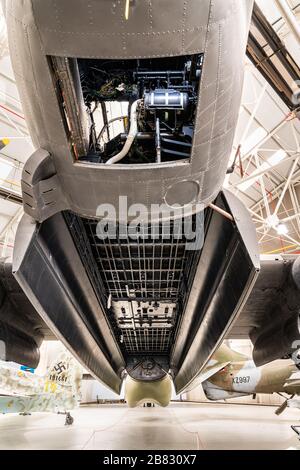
(21, 328)
(46, 402)
(294, 380)
(270, 316)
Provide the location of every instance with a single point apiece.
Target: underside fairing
(158, 392)
(46, 264)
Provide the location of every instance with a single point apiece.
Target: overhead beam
(289, 17)
(285, 188)
(9, 195)
(262, 33)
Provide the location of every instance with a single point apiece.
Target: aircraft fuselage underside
(144, 108)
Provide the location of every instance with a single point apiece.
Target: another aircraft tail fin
(226, 354)
(66, 371)
(206, 375)
(219, 361)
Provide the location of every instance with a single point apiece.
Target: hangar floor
(180, 426)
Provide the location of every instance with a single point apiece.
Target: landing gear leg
(284, 404)
(69, 419)
(296, 429)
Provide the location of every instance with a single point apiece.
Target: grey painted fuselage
(57, 260)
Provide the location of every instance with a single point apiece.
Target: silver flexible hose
(131, 135)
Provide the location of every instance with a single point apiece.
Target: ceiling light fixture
(282, 229)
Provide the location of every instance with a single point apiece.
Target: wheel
(69, 420)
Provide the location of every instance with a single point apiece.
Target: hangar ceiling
(268, 132)
(267, 171)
